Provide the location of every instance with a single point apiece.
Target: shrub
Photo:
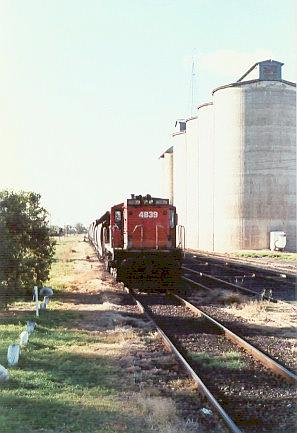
(26, 249)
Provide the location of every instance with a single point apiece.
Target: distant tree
(54, 230)
(26, 249)
(80, 228)
(69, 230)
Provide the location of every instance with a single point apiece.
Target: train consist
(136, 240)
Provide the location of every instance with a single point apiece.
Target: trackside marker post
(36, 300)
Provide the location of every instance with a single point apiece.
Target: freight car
(136, 240)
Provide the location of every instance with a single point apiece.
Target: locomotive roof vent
(146, 200)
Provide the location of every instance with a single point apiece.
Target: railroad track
(237, 263)
(278, 342)
(260, 283)
(251, 392)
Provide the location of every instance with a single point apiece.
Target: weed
(228, 360)
(268, 254)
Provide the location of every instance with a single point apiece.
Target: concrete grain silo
(205, 171)
(255, 161)
(179, 173)
(199, 175)
(192, 235)
(167, 174)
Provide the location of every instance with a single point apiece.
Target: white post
(36, 301)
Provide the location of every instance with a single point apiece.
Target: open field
(77, 374)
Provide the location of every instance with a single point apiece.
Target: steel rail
(236, 262)
(196, 284)
(256, 353)
(201, 386)
(226, 283)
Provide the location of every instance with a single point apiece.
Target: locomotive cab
(137, 240)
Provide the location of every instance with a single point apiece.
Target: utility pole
(193, 91)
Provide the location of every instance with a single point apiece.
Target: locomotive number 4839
(148, 214)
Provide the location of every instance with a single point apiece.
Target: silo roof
(178, 133)
(204, 105)
(169, 150)
(242, 83)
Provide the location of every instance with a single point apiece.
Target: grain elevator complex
(231, 169)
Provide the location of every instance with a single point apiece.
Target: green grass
(69, 379)
(57, 387)
(229, 360)
(269, 254)
(64, 381)
(62, 265)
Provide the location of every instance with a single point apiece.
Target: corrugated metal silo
(255, 161)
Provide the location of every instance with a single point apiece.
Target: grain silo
(192, 175)
(179, 172)
(255, 160)
(199, 175)
(167, 174)
(205, 170)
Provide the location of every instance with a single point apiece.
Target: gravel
(273, 343)
(281, 288)
(254, 398)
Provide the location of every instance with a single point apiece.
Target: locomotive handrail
(141, 232)
(157, 235)
(181, 236)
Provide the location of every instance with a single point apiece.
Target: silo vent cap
(182, 124)
(269, 70)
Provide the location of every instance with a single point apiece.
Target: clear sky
(90, 90)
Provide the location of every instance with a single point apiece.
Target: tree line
(68, 229)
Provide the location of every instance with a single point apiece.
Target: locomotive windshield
(146, 200)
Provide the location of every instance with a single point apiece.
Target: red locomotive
(137, 240)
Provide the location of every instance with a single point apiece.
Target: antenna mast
(193, 89)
